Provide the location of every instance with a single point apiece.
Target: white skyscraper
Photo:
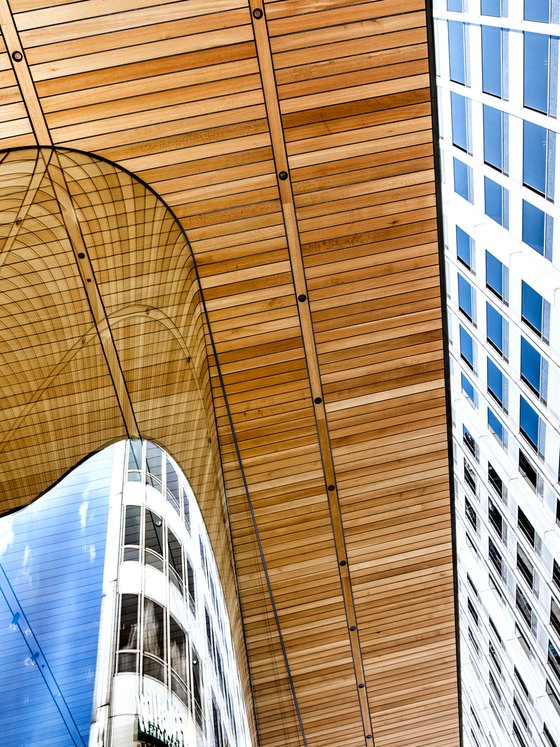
(497, 94)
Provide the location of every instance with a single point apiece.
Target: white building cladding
(497, 77)
(166, 662)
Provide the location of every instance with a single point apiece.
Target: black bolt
(317, 400)
(17, 56)
(352, 628)
(89, 280)
(302, 297)
(368, 736)
(81, 255)
(361, 685)
(331, 488)
(283, 175)
(257, 13)
(343, 562)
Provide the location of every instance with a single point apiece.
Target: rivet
(283, 175)
(331, 488)
(317, 400)
(302, 297)
(361, 685)
(81, 255)
(257, 13)
(17, 56)
(89, 280)
(343, 562)
(368, 736)
(352, 628)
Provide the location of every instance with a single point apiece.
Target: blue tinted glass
(492, 60)
(494, 327)
(531, 307)
(535, 72)
(536, 10)
(533, 227)
(494, 274)
(491, 8)
(467, 387)
(459, 120)
(463, 246)
(456, 52)
(456, 5)
(495, 380)
(466, 345)
(495, 201)
(528, 422)
(495, 425)
(465, 296)
(461, 178)
(493, 137)
(534, 156)
(530, 365)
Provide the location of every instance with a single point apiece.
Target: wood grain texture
(208, 104)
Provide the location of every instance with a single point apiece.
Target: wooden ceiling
(293, 140)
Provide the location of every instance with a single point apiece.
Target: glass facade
(498, 102)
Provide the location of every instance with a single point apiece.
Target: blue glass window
(496, 382)
(457, 60)
(496, 276)
(493, 43)
(464, 247)
(539, 146)
(496, 202)
(491, 8)
(532, 308)
(495, 138)
(468, 388)
(462, 179)
(529, 423)
(540, 58)
(532, 368)
(459, 121)
(456, 5)
(496, 329)
(467, 346)
(466, 295)
(536, 10)
(537, 229)
(496, 427)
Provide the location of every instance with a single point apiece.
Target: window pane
(526, 527)
(495, 381)
(495, 275)
(495, 426)
(153, 465)
(461, 179)
(530, 366)
(491, 8)
(175, 554)
(495, 201)
(536, 10)
(132, 526)
(534, 227)
(534, 157)
(456, 5)
(495, 328)
(531, 307)
(153, 629)
(528, 422)
(495, 146)
(465, 296)
(464, 247)
(492, 60)
(457, 70)
(128, 632)
(535, 74)
(466, 346)
(460, 129)
(467, 387)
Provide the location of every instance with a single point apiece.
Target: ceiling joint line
(289, 212)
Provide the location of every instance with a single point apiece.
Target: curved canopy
(293, 140)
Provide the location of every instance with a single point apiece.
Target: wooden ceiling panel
(293, 141)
